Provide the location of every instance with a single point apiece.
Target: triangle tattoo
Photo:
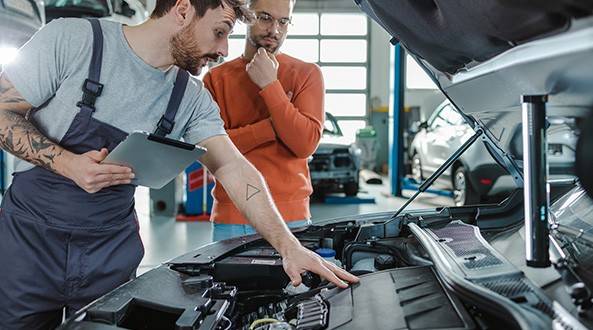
(251, 191)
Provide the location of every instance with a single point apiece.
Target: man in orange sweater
(272, 106)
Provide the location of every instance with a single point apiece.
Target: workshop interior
(453, 176)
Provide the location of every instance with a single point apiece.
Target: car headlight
(8, 54)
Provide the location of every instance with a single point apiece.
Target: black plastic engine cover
(160, 299)
(258, 268)
(404, 298)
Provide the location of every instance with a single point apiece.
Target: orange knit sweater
(276, 128)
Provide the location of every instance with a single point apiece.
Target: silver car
(476, 176)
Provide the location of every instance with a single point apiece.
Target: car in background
(335, 165)
(129, 12)
(19, 20)
(476, 177)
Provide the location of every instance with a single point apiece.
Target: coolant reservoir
(329, 255)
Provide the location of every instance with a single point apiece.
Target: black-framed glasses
(267, 20)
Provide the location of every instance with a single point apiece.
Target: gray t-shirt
(52, 66)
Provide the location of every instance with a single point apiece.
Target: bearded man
(68, 229)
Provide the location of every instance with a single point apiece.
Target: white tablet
(155, 160)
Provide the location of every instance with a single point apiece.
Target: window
(438, 122)
(344, 24)
(304, 24)
(240, 29)
(351, 105)
(445, 116)
(349, 128)
(416, 77)
(236, 48)
(451, 115)
(304, 49)
(333, 51)
(339, 77)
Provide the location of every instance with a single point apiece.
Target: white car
(476, 177)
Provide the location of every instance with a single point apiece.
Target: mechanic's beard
(186, 52)
(257, 42)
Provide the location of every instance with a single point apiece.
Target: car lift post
(396, 149)
(535, 173)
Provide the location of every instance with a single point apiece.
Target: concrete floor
(164, 238)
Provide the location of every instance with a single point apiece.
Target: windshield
(97, 7)
(331, 125)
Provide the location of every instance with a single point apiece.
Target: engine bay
(415, 273)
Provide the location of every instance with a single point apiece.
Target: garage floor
(165, 238)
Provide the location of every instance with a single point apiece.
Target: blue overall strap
(92, 88)
(167, 121)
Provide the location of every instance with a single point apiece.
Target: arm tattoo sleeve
(18, 135)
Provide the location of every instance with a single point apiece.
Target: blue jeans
(221, 231)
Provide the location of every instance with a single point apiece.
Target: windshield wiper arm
(426, 184)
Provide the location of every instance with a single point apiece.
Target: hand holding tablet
(154, 160)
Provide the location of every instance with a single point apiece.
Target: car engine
(415, 273)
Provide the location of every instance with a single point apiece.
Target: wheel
(318, 194)
(417, 168)
(351, 188)
(463, 192)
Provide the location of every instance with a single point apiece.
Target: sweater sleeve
(298, 124)
(248, 137)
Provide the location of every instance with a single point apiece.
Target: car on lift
(472, 267)
(476, 177)
(335, 165)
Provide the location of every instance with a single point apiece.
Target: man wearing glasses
(272, 106)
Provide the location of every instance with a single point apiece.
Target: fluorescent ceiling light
(7, 54)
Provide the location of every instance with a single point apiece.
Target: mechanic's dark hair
(252, 2)
(239, 6)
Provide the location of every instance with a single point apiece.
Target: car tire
(463, 192)
(417, 168)
(351, 189)
(318, 194)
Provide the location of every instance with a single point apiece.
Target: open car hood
(484, 55)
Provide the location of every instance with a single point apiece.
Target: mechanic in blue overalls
(68, 230)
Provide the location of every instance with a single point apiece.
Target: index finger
(323, 271)
(273, 58)
(341, 273)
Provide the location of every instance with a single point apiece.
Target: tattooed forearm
(18, 135)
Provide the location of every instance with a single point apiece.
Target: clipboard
(155, 160)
